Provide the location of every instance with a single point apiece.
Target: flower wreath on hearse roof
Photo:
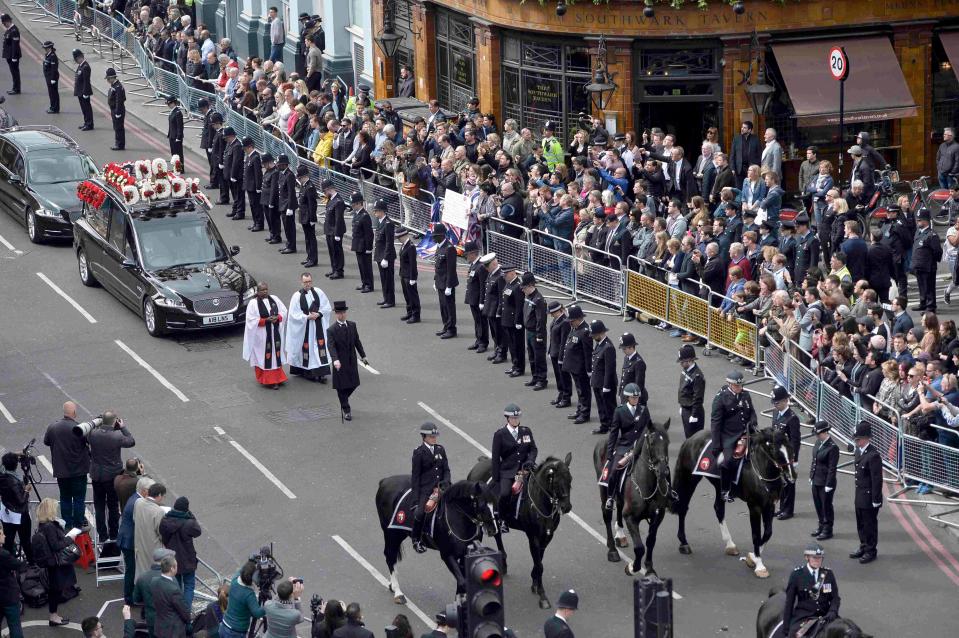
(144, 181)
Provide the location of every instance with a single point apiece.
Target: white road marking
(106, 604)
(382, 580)
(572, 515)
(369, 368)
(39, 623)
(59, 387)
(159, 377)
(69, 299)
(10, 246)
(256, 463)
(45, 462)
(6, 413)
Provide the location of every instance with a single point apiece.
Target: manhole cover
(300, 414)
(204, 345)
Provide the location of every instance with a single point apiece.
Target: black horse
(464, 512)
(771, 614)
(645, 496)
(764, 472)
(544, 499)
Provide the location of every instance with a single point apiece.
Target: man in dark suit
(143, 589)
(634, 369)
(362, 242)
(354, 624)
(175, 127)
(786, 421)
(406, 85)
(868, 494)
(344, 344)
(445, 281)
(475, 296)
(286, 202)
(713, 272)
(384, 253)
(746, 151)
(514, 452)
(408, 276)
(724, 178)
(558, 332)
(253, 183)
(173, 618)
(926, 253)
(880, 266)
(812, 592)
(902, 321)
(82, 89)
(682, 183)
(334, 227)
(558, 625)
(306, 207)
(855, 249)
(429, 476)
(603, 376)
(577, 360)
(822, 476)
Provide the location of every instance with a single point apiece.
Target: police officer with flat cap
(270, 198)
(445, 280)
(492, 293)
(116, 100)
(868, 493)
(217, 146)
(334, 227)
(534, 321)
(206, 135)
(511, 320)
(384, 253)
(822, 478)
(558, 625)
(514, 451)
(232, 166)
(558, 333)
(11, 51)
(634, 369)
(786, 421)
(51, 75)
(475, 296)
(362, 242)
(82, 89)
(732, 416)
(408, 275)
(174, 131)
(306, 210)
(430, 475)
(926, 254)
(812, 592)
(603, 375)
(578, 361)
(286, 202)
(630, 421)
(253, 183)
(442, 627)
(692, 392)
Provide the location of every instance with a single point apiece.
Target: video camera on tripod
(27, 456)
(268, 571)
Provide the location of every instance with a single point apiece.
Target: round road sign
(838, 63)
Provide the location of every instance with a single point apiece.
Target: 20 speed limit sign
(838, 63)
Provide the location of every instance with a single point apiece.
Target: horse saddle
(707, 463)
(809, 628)
(623, 473)
(404, 512)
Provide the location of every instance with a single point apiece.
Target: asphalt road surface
(263, 466)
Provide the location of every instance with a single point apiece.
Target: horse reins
(553, 501)
(655, 470)
(782, 471)
(475, 521)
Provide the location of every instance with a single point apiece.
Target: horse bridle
(476, 521)
(553, 500)
(783, 472)
(662, 485)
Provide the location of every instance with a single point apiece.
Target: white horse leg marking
(620, 532)
(727, 537)
(395, 583)
(760, 570)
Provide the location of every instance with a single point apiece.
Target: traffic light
(653, 607)
(485, 613)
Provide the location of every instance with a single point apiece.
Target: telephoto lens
(84, 429)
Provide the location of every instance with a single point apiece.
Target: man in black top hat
(558, 625)
(306, 207)
(603, 376)
(286, 202)
(445, 280)
(116, 100)
(83, 90)
(384, 253)
(926, 254)
(822, 478)
(408, 276)
(11, 51)
(812, 592)
(732, 416)
(362, 242)
(344, 344)
(558, 332)
(692, 391)
(429, 477)
(868, 494)
(175, 127)
(475, 296)
(633, 371)
(253, 182)
(514, 454)
(334, 227)
(534, 320)
(270, 198)
(231, 186)
(511, 321)
(786, 421)
(577, 361)
(51, 75)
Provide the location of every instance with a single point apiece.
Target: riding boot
(416, 536)
(501, 525)
(724, 485)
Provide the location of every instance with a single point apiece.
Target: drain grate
(204, 345)
(301, 414)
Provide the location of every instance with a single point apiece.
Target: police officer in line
(475, 296)
(557, 626)
(603, 375)
(511, 321)
(492, 293)
(206, 137)
(786, 421)
(732, 416)
(822, 478)
(634, 369)
(175, 126)
(926, 254)
(253, 183)
(630, 421)
(306, 209)
(445, 280)
(51, 75)
(807, 248)
(286, 202)
(217, 145)
(692, 392)
(430, 475)
(558, 333)
(408, 275)
(270, 198)
(577, 361)
(812, 592)
(534, 321)
(384, 253)
(334, 227)
(514, 452)
(11, 51)
(116, 100)
(83, 90)
(868, 494)
(362, 242)
(231, 166)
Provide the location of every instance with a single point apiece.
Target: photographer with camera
(15, 506)
(242, 606)
(283, 614)
(106, 440)
(125, 484)
(71, 464)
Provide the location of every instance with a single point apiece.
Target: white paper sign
(456, 209)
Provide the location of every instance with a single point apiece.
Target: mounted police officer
(558, 333)
(83, 90)
(534, 320)
(603, 375)
(868, 494)
(492, 291)
(692, 392)
(116, 100)
(786, 421)
(822, 478)
(11, 51)
(430, 475)
(577, 361)
(514, 452)
(334, 227)
(812, 592)
(475, 296)
(51, 75)
(630, 421)
(732, 416)
(634, 369)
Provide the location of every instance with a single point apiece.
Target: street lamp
(760, 94)
(388, 39)
(602, 87)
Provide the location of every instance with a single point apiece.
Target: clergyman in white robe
(305, 348)
(263, 337)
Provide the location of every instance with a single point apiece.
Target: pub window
(455, 55)
(404, 25)
(945, 90)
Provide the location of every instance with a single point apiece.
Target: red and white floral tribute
(145, 180)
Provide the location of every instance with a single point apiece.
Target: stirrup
(503, 527)
(418, 547)
(726, 496)
(609, 503)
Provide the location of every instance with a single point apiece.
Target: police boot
(501, 525)
(609, 503)
(724, 486)
(417, 536)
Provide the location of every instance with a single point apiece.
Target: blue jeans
(944, 180)
(73, 493)
(187, 582)
(12, 614)
(276, 52)
(129, 574)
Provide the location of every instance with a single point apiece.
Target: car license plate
(215, 319)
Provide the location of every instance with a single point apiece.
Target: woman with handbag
(55, 551)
